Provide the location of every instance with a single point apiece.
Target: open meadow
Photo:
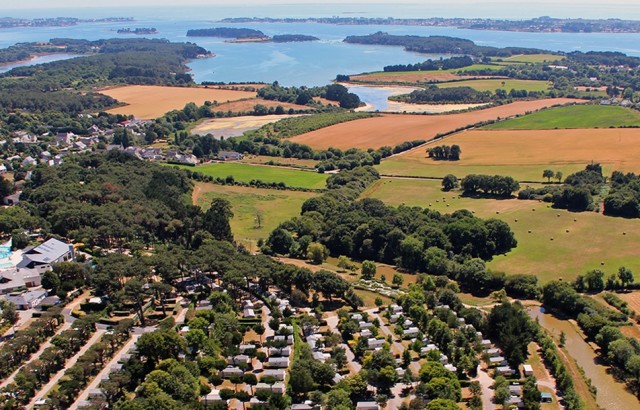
(246, 202)
(577, 116)
(530, 58)
(525, 154)
(247, 105)
(395, 129)
(552, 243)
(248, 172)
(149, 101)
(502, 84)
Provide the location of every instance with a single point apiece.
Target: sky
(513, 9)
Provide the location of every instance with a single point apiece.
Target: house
(12, 199)
(546, 397)
(278, 387)
(278, 362)
(395, 308)
(11, 280)
(27, 299)
(494, 352)
(486, 343)
(357, 317)
(280, 351)
(230, 156)
(241, 358)
(248, 313)
(515, 389)
(173, 157)
(394, 318)
(497, 361)
(365, 325)
(301, 406)
(366, 333)
(367, 405)
(278, 374)
(245, 347)
(3, 169)
(527, 369)
(312, 340)
(65, 138)
(321, 357)
(411, 332)
(505, 371)
(375, 343)
(29, 161)
(451, 368)
(282, 338)
(212, 397)
(231, 371)
(513, 401)
(46, 254)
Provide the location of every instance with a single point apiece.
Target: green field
(473, 67)
(476, 67)
(246, 202)
(576, 116)
(591, 238)
(531, 58)
(494, 84)
(247, 172)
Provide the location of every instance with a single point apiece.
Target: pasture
(394, 129)
(275, 207)
(147, 102)
(249, 172)
(494, 84)
(247, 105)
(524, 154)
(561, 244)
(577, 116)
(531, 58)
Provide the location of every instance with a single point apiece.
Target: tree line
(430, 65)
(445, 152)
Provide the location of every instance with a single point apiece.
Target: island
(245, 35)
(543, 24)
(138, 31)
(10, 22)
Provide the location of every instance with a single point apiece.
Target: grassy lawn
(577, 116)
(276, 206)
(475, 67)
(247, 172)
(280, 161)
(549, 251)
(492, 85)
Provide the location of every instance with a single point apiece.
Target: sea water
(313, 63)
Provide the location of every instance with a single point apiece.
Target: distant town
(10, 22)
(536, 25)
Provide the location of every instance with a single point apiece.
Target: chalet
(278, 362)
(3, 169)
(278, 388)
(65, 139)
(357, 317)
(44, 255)
(451, 368)
(280, 351)
(27, 299)
(394, 318)
(367, 405)
(241, 358)
(494, 352)
(312, 340)
(366, 333)
(29, 161)
(301, 406)
(365, 325)
(527, 369)
(245, 347)
(230, 156)
(486, 343)
(497, 361)
(282, 338)
(396, 309)
(513, 401)
(375, 343)
(321, 357)
(505, 371)
(278, 374)
(79, 146)
(174, 157)
(546, 397)
(231, 371)
(515, 389)
(248, 313)
(411, 332)
(212, 397)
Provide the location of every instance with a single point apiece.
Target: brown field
(393, 129)
(148, 102)
(235, 126)
(525, 154)
(248, 104)
(413, 77)
(632, 299)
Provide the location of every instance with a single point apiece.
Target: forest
(453, 95)
(226, 32)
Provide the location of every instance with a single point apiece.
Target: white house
(278, 374)
(47, 253)
(527, 370)
(231, 371)
(26, 299)
(278, 362)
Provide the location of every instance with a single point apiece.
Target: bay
(315, 63)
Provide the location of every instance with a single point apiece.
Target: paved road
(68, 320)
(354, 366)
(54, 380)
(487, 392)
(106, 370)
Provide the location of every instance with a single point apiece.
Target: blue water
(316, 63)
(37, 60)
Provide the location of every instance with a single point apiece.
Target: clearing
(525, 154)
(577, 116)
(395, 129)
(234, 126)
(275, 206)
(149, 101)
(561, 244)
(493, 84)
(249, 172)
